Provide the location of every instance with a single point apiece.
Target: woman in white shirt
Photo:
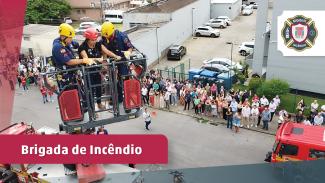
(246, 112)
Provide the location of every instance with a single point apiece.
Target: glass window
(318, 154)
(288, 149)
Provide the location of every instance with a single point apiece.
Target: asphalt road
(191, 144)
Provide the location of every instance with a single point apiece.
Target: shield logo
(299, 32)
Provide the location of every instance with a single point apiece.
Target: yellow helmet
(66, 30)
(107, 29)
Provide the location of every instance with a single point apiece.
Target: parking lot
(201, 48)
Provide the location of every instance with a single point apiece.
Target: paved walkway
(215, 120)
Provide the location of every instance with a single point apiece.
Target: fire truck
(297, 142)
(79, 115)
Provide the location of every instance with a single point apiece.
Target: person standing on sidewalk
(229, 118)
(187, 100)
(254, 114)
(236, 121)
(147, 118)
(272, 108)
(144, 93)
(266, 117)
(260, 110)
(246, 112)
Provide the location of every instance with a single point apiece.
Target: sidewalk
(217, 121)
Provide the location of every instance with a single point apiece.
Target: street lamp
(193, 20)
(157, 43)
(232, 46)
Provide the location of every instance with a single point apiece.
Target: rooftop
(163, 6)
(38, 29)
(223, 1)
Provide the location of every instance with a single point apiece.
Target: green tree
(273, 87)
(38, 10)
(255, 83)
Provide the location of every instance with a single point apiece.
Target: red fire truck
(296, 142)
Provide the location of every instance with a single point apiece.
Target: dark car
(176, 52)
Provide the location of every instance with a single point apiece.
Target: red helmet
(91, 33)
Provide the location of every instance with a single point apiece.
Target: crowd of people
(238, 108)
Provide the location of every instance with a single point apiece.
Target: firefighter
(62, 49)
(63, 55)
(119, 44)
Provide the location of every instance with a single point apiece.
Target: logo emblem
(299, 33)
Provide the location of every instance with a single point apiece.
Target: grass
(289, 102)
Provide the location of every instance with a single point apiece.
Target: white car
(246, 48)
(216, 68)
(206, 31)
(67, 20)
(217, 23)
(247, 11)
(226, 19)
(224, 61)
(84, 25)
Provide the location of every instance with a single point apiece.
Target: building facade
(167, 23)
(230, 8)
(296, 57)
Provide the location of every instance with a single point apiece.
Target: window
(78, 11)
(249, 46)
(297, 131)
(26, 38)
(313, 153)
(84, 11)
(120, 16)
(288, 149)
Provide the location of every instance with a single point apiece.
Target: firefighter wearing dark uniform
(62, 53)
(119, 44)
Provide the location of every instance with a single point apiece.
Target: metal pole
(157, 44)
(192, 20)
(232, 45)
(101, 11)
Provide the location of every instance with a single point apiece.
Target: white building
(230, 8)
(168, 22)
(37, 39)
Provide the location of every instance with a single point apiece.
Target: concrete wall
(76, 14)
(174, 32)
(304, 73)
(232, 10)
(41, 45)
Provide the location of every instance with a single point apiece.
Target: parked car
(176, 52)
(246, 48)
(84, 25)
(216, 68)
(247, 11)
(217, 23)
(67, 20)
(207, 31)
(224, 61)
(226, 19)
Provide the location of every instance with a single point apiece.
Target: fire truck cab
(297, 142)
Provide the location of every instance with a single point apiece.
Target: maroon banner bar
(99, 149)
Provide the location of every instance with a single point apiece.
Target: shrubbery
(273, 87)
(255, 83)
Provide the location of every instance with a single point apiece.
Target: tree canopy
(39, 10)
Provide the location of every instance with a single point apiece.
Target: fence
(178, 72)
